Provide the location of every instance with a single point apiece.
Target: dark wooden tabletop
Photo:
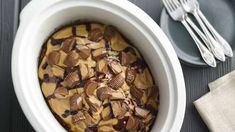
(12, 118)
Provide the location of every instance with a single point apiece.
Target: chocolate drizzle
(88, 27)
(66, 113)
(108, 46)
(46, 78)
(55, 42)
(82, 36)
(129, 49)
(44, 66)
(140, 64)
(91, 129)
(74, 30)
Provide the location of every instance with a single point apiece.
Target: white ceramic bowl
(41, 17)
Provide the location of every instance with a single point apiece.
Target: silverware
(192, 6)
(200, 33)
(177, 13)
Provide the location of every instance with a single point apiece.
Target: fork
(177, 13)
(192, 6)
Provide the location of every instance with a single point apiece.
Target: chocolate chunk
(115, 67)
(99, 53)
(136, 93)
(57, 71)
(68, 45)
(71, 59)
(72, 79)
(127, 58)
(130, 76)
(140, 112)
(94, 103)
(75, 102)
(109, 32)
(106, 113)
(61, 92)
(117, 95)
(121, 126)
(117, 109)
(95, 35)
(89, 121)
(84, 71)
(48, 88)
(78, 117)
(132, 124)
(90, 88)
(149, 119)
(144, 80)
(83, 51)
(107, 93)
(103, 93)
(117, 81)
(81, 84)
(68, 70)
(153, 91)
(91, 129)
(95, 46)
(152, 105)
(53, 58)
(102, 66)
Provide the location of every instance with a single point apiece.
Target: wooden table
(11, 116)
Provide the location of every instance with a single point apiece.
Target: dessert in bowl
(94, 80)
(40, 19)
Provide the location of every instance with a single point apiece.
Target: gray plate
(221, 14)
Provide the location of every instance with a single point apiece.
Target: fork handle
(198, 31)
(205, 53)
(214, 45)
(226, 47)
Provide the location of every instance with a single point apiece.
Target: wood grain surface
(12, 118)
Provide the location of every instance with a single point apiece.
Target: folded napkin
(217, 108)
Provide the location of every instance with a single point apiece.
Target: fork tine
(173, 4)
(167, 4)
(179, 4)
(176, 2)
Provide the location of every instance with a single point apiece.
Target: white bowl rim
(125, 5)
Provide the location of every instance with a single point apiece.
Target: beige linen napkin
(217, 108)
